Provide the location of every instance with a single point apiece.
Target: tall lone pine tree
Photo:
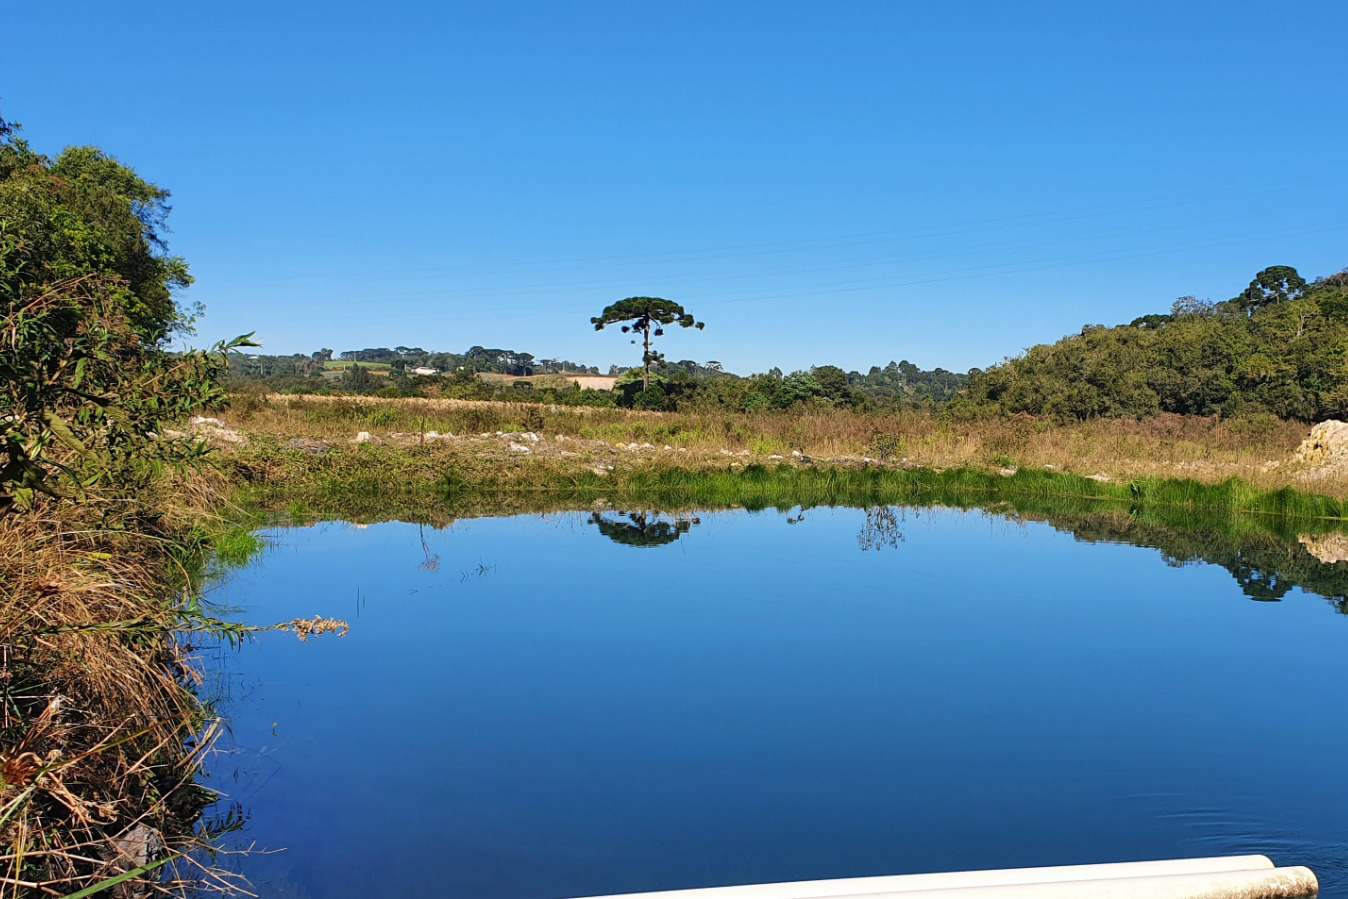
(649, 316)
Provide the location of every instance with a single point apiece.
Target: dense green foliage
(904, 381)
(86, 305)
(1279, 347)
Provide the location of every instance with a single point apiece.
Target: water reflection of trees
(643, 527)
(1266, 566)
(1266, 562)
(881, 528)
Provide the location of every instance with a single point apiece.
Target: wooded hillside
(1279, 347)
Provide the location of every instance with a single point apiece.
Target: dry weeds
(1258, 451)
(95, 776)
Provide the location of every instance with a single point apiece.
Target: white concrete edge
(1278, 883)
(901, 883)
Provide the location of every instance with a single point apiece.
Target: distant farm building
(424, 371)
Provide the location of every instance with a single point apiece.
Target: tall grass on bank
(1167, 446)
(101, 732)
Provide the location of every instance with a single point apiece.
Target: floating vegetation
(304, 628)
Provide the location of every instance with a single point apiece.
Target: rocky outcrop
(1326, 447)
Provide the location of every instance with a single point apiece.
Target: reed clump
(101, 731)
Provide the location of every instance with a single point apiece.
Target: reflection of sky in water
(527, 709)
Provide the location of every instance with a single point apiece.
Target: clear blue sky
(826, 182)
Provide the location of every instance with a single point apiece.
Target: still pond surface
(579, 704)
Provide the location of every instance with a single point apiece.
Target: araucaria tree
(648, 316)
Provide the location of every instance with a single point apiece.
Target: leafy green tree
(1275, 284)
(86, 306)
(84, 213)
(797, 387)
(358, 379)
(832, 381)
(648, 316)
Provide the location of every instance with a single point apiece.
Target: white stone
(1327, 445)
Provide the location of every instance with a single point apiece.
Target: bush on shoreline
(105, 524)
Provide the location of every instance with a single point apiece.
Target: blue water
(526, 708)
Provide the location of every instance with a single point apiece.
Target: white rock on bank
(1327, 445)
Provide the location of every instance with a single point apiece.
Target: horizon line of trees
(1279, 347)
(672, 385)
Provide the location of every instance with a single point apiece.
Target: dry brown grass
(97, 698)
(1170, 446)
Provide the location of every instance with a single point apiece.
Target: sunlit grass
(1205, 450)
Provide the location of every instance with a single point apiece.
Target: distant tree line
(476, 358)
(1279, 347)
(673, 385)
(897, 385)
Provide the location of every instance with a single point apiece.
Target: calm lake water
(571, 704)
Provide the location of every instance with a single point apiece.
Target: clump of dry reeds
(101, 734)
